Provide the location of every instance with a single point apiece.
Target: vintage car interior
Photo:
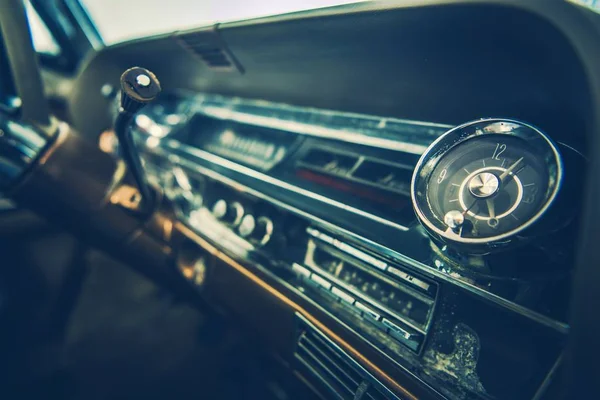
(378, 200)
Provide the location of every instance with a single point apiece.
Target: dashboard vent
(380, 174)
(336, 373)
(207, 46)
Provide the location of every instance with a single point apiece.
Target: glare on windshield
(120, 20)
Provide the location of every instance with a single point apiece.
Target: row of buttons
(397, 299)
(360, 255)
(408, 338)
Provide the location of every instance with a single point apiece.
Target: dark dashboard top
(445, 62)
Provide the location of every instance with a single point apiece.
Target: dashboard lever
(138, 88)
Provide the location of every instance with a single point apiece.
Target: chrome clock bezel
(470, 130)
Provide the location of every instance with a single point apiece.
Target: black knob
(138, 88)
(229, 213)
(256, 230)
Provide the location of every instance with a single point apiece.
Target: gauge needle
(469, 208)
(490, 206)
(510, 169)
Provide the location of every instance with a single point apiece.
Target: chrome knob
(484, 185)
(454, 219)
(256, 230)
(228, 213)
(143, 80)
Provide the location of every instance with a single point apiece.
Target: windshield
(120, 20)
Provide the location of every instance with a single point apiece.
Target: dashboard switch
(367, 310)
(321, 281)
(397, 331)
(411, 339)
(301, 271)
(343, 295)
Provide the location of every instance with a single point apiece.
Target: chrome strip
(191, 151)
(372, 261)
(399, 257)
(312, 130)
(341, 126)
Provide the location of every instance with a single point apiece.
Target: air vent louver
(336, 373)
(208, 46)
(315, 355)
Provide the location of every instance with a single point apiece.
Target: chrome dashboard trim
(370, 260)
(191, 151)
(558, 326)
(296, 119)
(312, 130)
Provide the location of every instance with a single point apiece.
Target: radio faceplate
(402, 308)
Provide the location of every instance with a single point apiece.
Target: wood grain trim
(280, 296)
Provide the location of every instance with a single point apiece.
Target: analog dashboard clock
(482, 185)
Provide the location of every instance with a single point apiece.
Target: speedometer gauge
(483, 183)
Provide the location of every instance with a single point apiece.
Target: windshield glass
(120, 20)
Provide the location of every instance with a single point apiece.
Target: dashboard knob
(256, 230)
(229, 213)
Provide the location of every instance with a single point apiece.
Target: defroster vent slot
(207, 45)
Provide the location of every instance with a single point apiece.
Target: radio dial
(229, 213)
(256, 230)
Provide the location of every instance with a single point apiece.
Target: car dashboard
(293, 149)
(318, 203)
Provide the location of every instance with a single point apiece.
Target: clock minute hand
(509, 170)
